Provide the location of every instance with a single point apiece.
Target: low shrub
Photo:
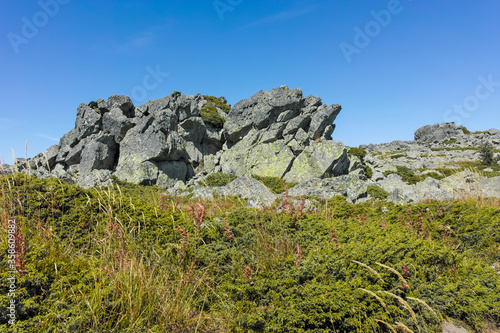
(218, 102)
(377, 192)
(218, 179)
(359, 152)
(210, 115)
(275, 184)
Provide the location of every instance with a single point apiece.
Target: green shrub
(218, 102)
(397, 156)
(486, 154)
(275, 184)
(102, 260)
(210, 115)
(368, 172)
(465, 130)
(377, 192)
(218, 179)
(406, 174)
(359, 152)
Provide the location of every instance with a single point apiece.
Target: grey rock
(451, 328)
(98, 154)
(351, 186)
(319, 159)
(249, 188)
(322, 119)
(438, 132)
(95, 178)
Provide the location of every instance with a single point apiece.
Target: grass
(127, 258)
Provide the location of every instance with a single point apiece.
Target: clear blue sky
(410, 70)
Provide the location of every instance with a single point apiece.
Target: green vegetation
(368, 171)
(126, 258)
(450, 142)
(377, 192)
(486, 154)
(406, 175)
(218, 179)
(218, 102)
(275, 184)
(209, 112)
(359, 152)
(210, 115)
(465, 130)
(397, 156)
(455, 148)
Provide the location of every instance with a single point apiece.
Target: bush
(210, 115)
(377, 192)
(368, 171)
(218, 102)
(465, 130)
(486, 154)
(275, 184)
(406, 174)
(359, 152)
(218, 179)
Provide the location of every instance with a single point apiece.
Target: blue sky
(394, 66)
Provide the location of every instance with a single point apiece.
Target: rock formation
(276, 133)
(176, 141)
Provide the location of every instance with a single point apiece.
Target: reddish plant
(405, 270)
(334, 240)
(299, 256)
(21, 251)
(247, 273)
(184, 241)
(227, 230)
(197, 212)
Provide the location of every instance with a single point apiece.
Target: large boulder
(438, 132)
(318, 160)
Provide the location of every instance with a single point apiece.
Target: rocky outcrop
(275, 133)
(280, 133)
(176, 141)
(438, 132)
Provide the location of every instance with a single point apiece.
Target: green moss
(406, 174)
(275, 184)
(210, 115)
(377, 192)
(449, 142)
(368, 172)
(218, 179)
(359, 152)
(218, 102)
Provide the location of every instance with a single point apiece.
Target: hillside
(176, 217)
